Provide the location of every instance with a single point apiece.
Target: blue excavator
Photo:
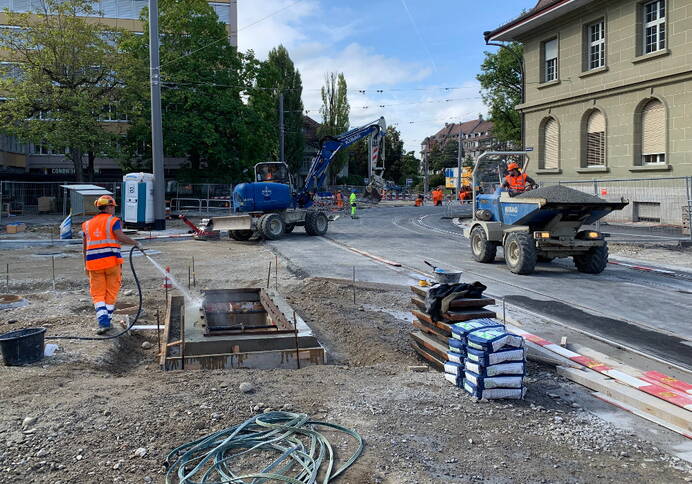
(272, 206)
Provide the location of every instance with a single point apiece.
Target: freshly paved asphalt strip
(645, 310)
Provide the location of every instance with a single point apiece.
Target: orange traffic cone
(167, 282)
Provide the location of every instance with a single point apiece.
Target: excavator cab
(272, 171)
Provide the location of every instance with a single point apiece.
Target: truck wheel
(316, 223)
(289, 228)
(593, 262)
(240, 235)
(271, 226)
(482, 249)
(520, 252)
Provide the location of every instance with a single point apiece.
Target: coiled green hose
(209, 460)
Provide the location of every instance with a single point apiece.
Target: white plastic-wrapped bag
(455, 357)
(485, 358)
(486, 382)
(454, 368)
(494, 393)
(462, 329)
(457, 346)
(493, 339)
(515, 368)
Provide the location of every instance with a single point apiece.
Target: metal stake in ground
(295, 327)
(353, 285)
(194, 278)
(189, 277)
(269, 274)
(504, 312)
(158, 329)
(52, 259)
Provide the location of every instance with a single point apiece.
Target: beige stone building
(608, 87)
(22, 160)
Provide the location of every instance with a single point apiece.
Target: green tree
(394, 154)
(278, 74)
(335, 111)
(501, 89)
(204, 117)
(444, 155)
(65, 77)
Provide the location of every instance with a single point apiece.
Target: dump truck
(537, 225)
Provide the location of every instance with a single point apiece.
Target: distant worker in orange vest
(437, 196)
(102, 259)
(517, 182)
(339, 200)
(419, 200)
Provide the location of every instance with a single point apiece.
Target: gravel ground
(560, 193)
(98, 405)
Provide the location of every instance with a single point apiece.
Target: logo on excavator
(266, 192)
(511, 210)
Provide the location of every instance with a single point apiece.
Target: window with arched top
(595, 139)
(653, 133)
(550, 145)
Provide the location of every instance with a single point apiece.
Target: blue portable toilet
(138, 200)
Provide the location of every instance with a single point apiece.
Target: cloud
(322, 37)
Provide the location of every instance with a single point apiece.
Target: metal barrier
(658, 208)
(458, 208)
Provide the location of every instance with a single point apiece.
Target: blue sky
(413, 59)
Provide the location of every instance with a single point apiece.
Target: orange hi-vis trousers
(104, 285)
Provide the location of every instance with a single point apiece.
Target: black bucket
(23, 346)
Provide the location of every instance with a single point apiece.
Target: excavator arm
(329, 147)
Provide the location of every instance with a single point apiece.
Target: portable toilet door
(138, 200)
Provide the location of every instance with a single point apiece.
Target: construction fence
(657, 206)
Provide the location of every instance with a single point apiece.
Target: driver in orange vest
(102, 259)
(517, 182)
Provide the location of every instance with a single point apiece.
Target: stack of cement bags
(485, 360)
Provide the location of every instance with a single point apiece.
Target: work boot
(103, 329)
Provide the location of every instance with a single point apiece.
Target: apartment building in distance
(476, 137)
(34, 161)
(608, 87)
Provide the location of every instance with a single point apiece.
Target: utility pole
(459, 162)
(156, 122)
(282, 130)
(426, 174)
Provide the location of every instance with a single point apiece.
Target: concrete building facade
(608, 87)
(29, 160)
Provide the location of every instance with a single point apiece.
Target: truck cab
(273, 171)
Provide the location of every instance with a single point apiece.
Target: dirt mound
(561, 193)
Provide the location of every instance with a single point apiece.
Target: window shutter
(653, 128)
(551, 148)
(595, 139)
(109, 8)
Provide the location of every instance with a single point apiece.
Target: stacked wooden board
(429, 339)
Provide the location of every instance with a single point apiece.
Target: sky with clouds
(412, 61)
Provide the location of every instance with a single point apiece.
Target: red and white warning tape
(651, 382)
(641, 268)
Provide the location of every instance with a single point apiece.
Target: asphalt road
(647, 311)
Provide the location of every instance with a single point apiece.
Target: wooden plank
(423, 317)
(428, 355)
(468, 314)
(419, 291)
(669, 381)
(639, 413)
(166, 331)
(472, 303)
(419, 303)
(431, 344)
(432, 331)
(643, 402)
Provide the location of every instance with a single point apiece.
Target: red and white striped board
(642, 268)
(655, 388)
(668, 381)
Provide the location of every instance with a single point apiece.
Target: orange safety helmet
(105, 201)
(512, 166)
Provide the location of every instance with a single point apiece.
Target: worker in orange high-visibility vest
(517, 182)
(103, 235)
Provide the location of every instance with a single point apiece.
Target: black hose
(134, 321)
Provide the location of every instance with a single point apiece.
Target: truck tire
(481, 248)
(271, 226)
(240, 235)
(520, 252)
(316, 223)
(593, 262)
(289, 228)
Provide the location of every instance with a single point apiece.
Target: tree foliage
(335, 112)
(66, 76)
(501, 88)
(444, 155)
(279, 75)
(203, 76)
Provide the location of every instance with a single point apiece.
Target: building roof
(467, 127)
(543, 12)
(310, 129)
